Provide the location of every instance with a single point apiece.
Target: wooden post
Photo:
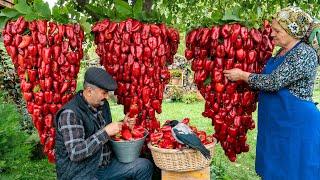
(203, 174)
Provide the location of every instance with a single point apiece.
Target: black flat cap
(100, 78)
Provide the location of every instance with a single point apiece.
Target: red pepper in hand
(126, 134)
(137, 133)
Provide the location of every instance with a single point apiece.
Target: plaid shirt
(73, 134)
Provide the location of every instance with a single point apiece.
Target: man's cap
(100, 78)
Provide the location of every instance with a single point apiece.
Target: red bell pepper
(235, 28)
(240, 55)
(155, 30)
(53, 108)
(32, 75)
(39, 98)
(64, 87)
(25, 86)
(48, 120)
(136, 70)
(56, 98)
(12, 51)
(244, 33)
(42, 38)
(152, 42)
(27, 96)
(256, 35)
(205, 36)
(46, 55)
(26, 40)
(215, 32)
(42, 26)
(156, 137)
(137, 134)
(126, 134)
(251, 57)
(220, 51)
(69, 31)
(48, 96)
(246, 98)
(133, 110)
(225, 31)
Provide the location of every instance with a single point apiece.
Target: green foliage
(175, 94)
(60, 14)
(42, 9)
(22, 7)
(15, 151)
(190, 97)
(123, 9)
(218, 171)
(189, 14)
(138, 9)
(176, 73)
(11, 139)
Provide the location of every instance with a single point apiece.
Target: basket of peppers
(170, 155)
(128, 143)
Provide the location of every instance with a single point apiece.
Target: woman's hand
(236, 74)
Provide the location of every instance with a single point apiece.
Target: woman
(288, 142)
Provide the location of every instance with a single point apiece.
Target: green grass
(15, 162)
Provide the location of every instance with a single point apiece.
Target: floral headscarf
(300, 25)
(294, 21)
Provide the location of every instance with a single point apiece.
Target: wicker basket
(180, 160)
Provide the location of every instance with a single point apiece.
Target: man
(83, 129)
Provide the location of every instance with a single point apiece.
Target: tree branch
(147, 6)
(81, 5)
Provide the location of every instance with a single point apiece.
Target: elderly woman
(288, 142)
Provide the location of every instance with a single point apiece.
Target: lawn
(15, 162)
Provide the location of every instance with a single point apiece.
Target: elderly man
(83, 129)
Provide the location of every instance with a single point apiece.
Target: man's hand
(113, 128)
(130, 121)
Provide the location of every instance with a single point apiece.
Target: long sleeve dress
(288, 141)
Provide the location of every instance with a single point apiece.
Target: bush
(176, 73)
(175, 93)
(190, 97)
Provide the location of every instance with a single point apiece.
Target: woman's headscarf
(300, 25)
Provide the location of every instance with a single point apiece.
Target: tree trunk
(147, 6)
